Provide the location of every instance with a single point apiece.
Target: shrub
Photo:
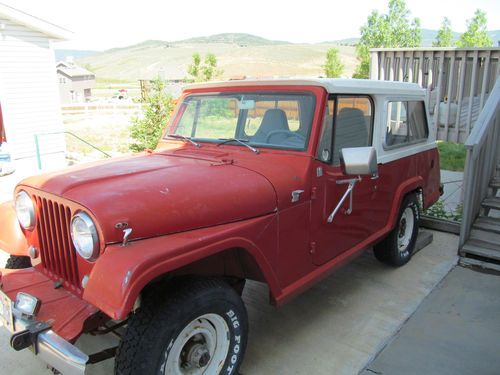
(147, 130)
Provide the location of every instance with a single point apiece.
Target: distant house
(29, 96)
(75, 83)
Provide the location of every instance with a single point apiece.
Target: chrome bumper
(56, 352)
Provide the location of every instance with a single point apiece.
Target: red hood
(159, 194)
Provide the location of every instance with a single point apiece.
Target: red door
(350, 126)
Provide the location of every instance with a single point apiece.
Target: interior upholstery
(274, 119)
(350, 131)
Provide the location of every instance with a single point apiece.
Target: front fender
(12, 239)
(121, 273)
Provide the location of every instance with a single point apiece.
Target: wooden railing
(483, 154)
(458, 82)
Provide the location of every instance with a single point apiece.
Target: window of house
(406, 123)
(351, 126)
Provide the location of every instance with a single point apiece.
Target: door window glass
(352, 128)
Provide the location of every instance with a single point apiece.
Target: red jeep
(278, 181)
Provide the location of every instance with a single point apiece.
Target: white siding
(28, 91)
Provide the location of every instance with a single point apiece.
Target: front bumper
(55, 351)
(66, 313)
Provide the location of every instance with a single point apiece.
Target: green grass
(451, 156)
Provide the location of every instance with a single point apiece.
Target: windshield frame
(235, 92)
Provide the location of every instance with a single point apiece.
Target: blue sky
(105, 24)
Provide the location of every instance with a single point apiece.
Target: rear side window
(406, 123)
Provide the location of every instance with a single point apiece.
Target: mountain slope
(237, 55)
(233, 38)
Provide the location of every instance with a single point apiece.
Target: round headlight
(84, 236)
(25, 210)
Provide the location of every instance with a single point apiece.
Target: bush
(147, 130)
(438, 210)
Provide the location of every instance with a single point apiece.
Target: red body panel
(68, 312)
(12, 238)
(158, 194)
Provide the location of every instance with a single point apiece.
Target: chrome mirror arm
(352, 182)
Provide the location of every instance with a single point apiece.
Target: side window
(418, 129)
(406, 123)
(325, 142)
(352, 127)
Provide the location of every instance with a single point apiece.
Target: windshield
(263, 119)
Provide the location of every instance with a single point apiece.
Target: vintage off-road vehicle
(279, 181)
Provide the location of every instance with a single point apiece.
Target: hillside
(233, 38)
(237, 55)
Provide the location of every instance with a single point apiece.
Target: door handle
(296, 195)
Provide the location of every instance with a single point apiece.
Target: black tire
(18, 262)
(154, 328)
(390, 251)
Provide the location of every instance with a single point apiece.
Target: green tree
(444, 37)
(205, 71)
(476, 34)
(391, 30)
(147, 130)
(194, 68)
(333, 66)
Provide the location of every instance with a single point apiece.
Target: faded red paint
(217, 211)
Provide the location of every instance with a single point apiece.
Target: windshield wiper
(240, 141)
(185, 138)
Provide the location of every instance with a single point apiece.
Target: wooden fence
(101, 109)
(458, 82)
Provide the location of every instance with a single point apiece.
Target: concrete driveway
(337, 327)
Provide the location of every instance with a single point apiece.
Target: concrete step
(487, 224)
(472, 263)
(482, 249)
(492, 203)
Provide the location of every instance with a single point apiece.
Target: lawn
(451, 156)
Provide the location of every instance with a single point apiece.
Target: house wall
(28, 91)
(74, 90)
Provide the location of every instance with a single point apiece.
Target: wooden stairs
(483, 246)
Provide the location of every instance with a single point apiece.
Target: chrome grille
(56, 247)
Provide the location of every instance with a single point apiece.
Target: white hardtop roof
(331, 85)
(50, 30)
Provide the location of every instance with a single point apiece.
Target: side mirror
(357, 161)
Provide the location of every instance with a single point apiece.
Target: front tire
(397, 248)
(16, 262)
(196, 327)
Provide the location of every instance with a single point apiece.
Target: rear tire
(195, 327)
(16, 262)
(397, 248)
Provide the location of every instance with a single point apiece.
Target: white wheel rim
(405, 233)
(208, 333)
